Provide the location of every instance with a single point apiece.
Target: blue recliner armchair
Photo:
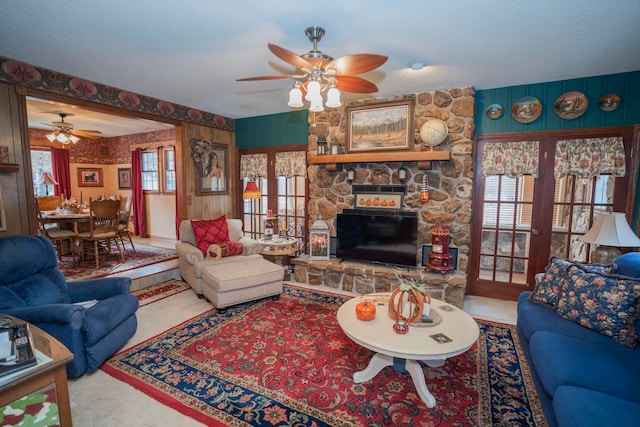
(34, 290)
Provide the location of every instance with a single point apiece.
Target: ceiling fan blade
(263, 78)
(88, 131)
(356, 64)
(86, 135)
(48, 124)
(355, 84)
(290, 57)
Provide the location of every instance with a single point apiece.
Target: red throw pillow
(231, 248)
(210, 231)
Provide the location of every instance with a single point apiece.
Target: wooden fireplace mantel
(423, 158)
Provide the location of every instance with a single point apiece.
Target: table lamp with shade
(252, 192)
(610, 231)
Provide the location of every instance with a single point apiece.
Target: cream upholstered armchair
(192, 260)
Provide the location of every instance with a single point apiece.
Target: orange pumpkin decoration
(365, 310)
(413, 295)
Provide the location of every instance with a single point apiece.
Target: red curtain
(139, 226)
(61, 172)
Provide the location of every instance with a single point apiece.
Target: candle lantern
(440, 258)
(321, 149)
(335, 147)
(319, 239)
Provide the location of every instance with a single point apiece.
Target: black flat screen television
(377, 237)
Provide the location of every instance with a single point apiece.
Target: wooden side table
(279, 248)
(51, 373)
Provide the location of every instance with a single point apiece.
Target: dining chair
(63, 240)
(123, 224)
(49, 203)
(104, 216)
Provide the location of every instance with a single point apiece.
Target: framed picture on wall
(90, 177)
(212, 163)
(384, 126)
(124, 178)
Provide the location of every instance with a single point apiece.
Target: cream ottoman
(229, 284)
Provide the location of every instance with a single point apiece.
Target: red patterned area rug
(288, 363)
(143, 256)
(160, 291)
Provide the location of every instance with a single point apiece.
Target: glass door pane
(576, 201)
(507, 209)
(291, 207)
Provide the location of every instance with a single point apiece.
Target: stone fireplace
(449, 183)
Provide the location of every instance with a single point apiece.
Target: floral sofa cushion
(604, 303)
(550, 284)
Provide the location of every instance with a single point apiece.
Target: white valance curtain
(590, 157)
(288, 164)
(512, 159)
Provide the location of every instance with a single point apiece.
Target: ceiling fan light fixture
(62, 138)
(295, 97)
(333, 97)
(313, 90)
(316, 104)
(74, 138)
(51, 136)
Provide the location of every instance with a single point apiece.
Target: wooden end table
(51, 372)
(404, 352)
(278, 247)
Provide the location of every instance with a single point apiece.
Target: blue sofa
(34, 290)
(583, 377)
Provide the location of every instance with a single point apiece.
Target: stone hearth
(363, 278)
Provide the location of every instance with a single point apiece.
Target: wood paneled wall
(192, 206)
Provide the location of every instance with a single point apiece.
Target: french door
(519, 222)
(284, 196)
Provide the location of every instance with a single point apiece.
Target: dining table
(56, 217)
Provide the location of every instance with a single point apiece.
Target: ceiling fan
(64, 133)
(320, 72)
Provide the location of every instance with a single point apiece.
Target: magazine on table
(16, 346)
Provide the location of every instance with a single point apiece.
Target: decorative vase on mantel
(407, 300)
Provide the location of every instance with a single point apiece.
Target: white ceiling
(192, 51)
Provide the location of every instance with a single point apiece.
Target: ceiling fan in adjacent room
(64, 133)
(319, 72)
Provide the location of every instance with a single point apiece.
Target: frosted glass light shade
(295, 97)
(611, 229)
(316, 104)
(313, 91)
(333, 98)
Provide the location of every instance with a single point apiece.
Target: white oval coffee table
(431, 345)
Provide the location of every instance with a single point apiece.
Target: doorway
(109, 154)
(522, 219)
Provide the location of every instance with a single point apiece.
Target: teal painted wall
(273, 130)
(625, 85)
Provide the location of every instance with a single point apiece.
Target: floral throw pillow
(547, 290)
(209, 232)
(606, 304)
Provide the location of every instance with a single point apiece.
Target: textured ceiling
(191, 52)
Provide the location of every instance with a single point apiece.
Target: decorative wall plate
(609, 102)
(494, 111)
(526, 109)
(571, 105)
